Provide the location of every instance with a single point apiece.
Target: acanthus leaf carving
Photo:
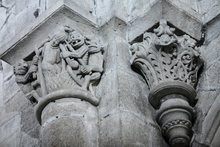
(167, 57)
(170, 65)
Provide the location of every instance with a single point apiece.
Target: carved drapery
(170, 64)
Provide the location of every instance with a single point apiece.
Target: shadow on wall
(1, 68)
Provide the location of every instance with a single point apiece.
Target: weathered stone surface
(213, 28)
(2, 108)
(10, 88)
(124, 117)
(68, 122)
(28, 141)
(208, 97)
(29, 124)
(125, 114)
(17, 103)
(170, 65)
(209, 9)
(10, 130)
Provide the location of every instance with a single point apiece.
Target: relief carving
(67, 64)
(170, 64)
(168, 57)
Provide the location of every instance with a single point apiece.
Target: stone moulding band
(67, 93)
(178, 106)
(169, 64)
(175, 123)
(171, 87)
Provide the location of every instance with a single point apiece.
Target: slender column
(59, 78)
(169, 63)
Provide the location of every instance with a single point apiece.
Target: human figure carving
(26, 77)
(68, 60)
(82, 57)
(24, 72)
(51, 54)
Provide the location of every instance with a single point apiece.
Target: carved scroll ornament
(167, 57)
(170, 65)
(66, 65)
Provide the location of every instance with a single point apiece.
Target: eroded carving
(167, 56)
(170, 65)
(66, 61)
(26, 77)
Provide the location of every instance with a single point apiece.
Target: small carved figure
(26, 76)
(68, 60)
(165, 34)
(25, 73)
(20, 71)
(51, 53)
(82, 57)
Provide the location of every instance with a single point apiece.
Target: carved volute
(170, 64)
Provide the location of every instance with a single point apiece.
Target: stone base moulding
(169, 63)
(158, 93)
(175, 116)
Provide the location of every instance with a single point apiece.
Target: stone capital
(60, 79)
(169, 61)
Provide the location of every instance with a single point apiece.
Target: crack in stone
(8, 11)
(5, 22)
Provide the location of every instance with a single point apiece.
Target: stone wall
(18, 125)
(118, 111)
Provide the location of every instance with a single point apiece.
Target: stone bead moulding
(59, 62)
(170, 64)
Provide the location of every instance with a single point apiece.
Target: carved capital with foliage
(169, 63)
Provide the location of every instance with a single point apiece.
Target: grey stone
(28, 141)
(68, 122)
(209, 9)
(29, 124)
(10, 130)
(116, 110)
(213, 30)
(10, 88)
(17, 103)
(170, 66)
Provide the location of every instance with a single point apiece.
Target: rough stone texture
(18, 125)
(125, 116)
(209, 9)
(73, 119)
(28, 11)
(124, 113)
(208, 90)
(166, 65)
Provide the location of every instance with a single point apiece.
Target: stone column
(170, 63)
(60, 79)
(69, 120)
